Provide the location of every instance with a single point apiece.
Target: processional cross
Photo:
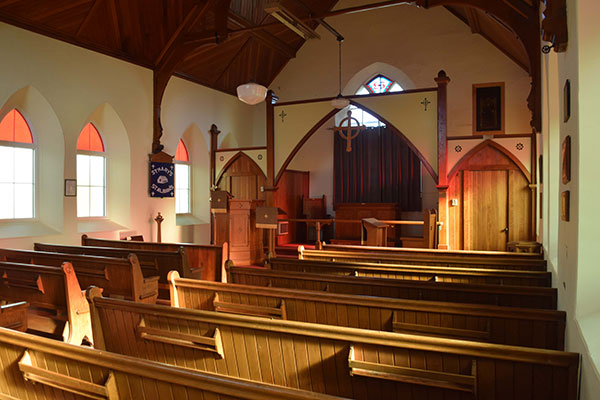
(351, 131)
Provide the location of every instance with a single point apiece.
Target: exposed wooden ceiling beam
(52, 11)
(266, 38)
(115, 20)
(473, 19)
(88, 17)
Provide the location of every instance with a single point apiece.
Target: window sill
(188, 219)
(85, 225)
(24, 228)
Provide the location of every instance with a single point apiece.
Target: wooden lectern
(375, 232)
(245, 241)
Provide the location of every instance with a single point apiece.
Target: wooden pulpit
(375, 232)
(245, 240)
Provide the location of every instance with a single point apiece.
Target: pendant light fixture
(251, 93)
(340, 101)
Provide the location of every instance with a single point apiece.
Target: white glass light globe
(251, 93)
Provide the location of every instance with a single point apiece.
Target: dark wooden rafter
(526, 26)
(88, 17)
(176, 48)
(266, 38)
(554, 24)
(115, 20)
(53, 11)
(473, 20)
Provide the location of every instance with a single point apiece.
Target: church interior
(299, 199)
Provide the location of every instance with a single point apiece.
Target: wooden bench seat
(57, 305)
(416, 272)
(394, 255)
(493, 324)
(152, 262)
(119, 277)
(38, 368)
(210, 260)
(511, 296)
(340, 361)
(14, 316)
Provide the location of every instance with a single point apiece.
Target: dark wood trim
(356, 96)
(302, 142)
(271, 178)
(241, 149)
(214, 140)
(497, 136)
(232, 160)
(496, 146)
(442, 81)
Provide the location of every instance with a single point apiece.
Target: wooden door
(244, 187)
(485, 202)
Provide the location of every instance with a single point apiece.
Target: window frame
(188, 164)
(34, 147)
(105, 176)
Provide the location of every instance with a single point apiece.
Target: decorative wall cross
(351, 131)
(282, 115)
(425, 102)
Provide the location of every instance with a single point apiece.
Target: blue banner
(162, 179)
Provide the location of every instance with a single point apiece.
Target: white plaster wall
(419, 43)
(76, 83)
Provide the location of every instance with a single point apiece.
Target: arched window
(91, 173)
(182, 180)
(377, 85)
(17, 163)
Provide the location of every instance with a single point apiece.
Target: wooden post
(442, 81)
(214, 143)
(159, 219)
(270, 184)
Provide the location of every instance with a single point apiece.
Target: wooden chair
(338, 361)
(208, 260)
(315, 208)
(416, 272)
(512, 296)
(502, 325)
(428, 240)
(32, 367)
(119, 277)
(57, 306)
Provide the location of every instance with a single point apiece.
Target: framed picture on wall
(566, 160)
(567, 101)
(488, 108)
(70, 187)
(565, 199)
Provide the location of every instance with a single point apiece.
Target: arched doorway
(490, 199)
(242, 178)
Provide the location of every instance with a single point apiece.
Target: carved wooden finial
(214, 130)
(159, 219)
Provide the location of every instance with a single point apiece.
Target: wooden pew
(493, 324)
(119, 277)
(340, 361)
(511, 296)
(38, 368)
(394, 255)
(57, 306)
(152, 262)
(416, 272)
(209, 259)
(14, 316)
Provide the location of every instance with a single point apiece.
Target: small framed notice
(70, 187)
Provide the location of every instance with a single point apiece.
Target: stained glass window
(17, 163)
(379, 84)
(91, 173)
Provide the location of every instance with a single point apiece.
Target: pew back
(512, 296)
(208, 259)
(57, 304)
(501, 325)
(353, 363)
(422, 257)
(152, 262)
(14, 316)
(416, 272)
(38, 368)
(119, 277)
